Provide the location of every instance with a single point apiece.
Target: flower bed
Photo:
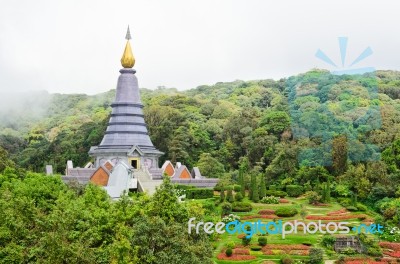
(279, 249)
(390, 245)
(223, 256)
(299, 252)
(259, 216)
(337, 217)
(284, 201)
(357, 260)
(266, 212)
(395, 254)
(241, 251)
(338, 212)
(287, 247)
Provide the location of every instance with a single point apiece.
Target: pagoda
(126, 138)
(126, 159)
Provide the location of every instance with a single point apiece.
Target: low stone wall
(204, 183)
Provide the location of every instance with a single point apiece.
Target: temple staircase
(145, 182)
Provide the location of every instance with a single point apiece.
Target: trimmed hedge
(262, 241)
(294, 190)
(238, 197)
(199, 193)
(255, 248)
(237, 188)
(280, 194)
(241, 207)
(286, 211)
(184, 187)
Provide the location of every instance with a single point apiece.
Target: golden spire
(127, 60)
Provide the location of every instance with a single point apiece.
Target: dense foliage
(45, 221)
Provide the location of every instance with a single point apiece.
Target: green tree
(275, 121)
(242, 183)
(263, 188)
(209, 166)
(229, 196)
(222, 195)
(255, 195)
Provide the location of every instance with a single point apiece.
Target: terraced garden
(296, 248)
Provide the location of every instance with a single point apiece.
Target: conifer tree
(229, 196)
(242, 183)
(263, 188)
(255, 195)
(252, 184)
(222, 195)
(328, 191)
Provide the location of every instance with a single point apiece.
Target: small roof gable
(196, 173)
(133, 149)
(182, 172)
(168, 168)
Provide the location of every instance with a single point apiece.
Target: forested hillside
(254, 124)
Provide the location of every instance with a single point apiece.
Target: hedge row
(294, 190)
(199, 193)
(280, 194)
(241, 207)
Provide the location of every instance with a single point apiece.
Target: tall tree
(242, 182)
(263, 187)
(255, 195)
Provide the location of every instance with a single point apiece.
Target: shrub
(316, 256)
(255, 248)
(348, 251)
(241, 207)
(230, 244)
(230, 218)
(270, 200)
(328, 241)
(294, 190)
(361, 207)
(374, 251)
(199, 193)
(287, 260)
(272, 187)
(209, 206)
(222, 195)
(229, 196)
(286, 211)
(246, 241)
(228, 252)
(313, 197)
(280, 194)
(238, 197)
(183, 187)
(352, 208)
(218, 187)
(226, 208)
(237, 188)
(262, 241)
(345, 202)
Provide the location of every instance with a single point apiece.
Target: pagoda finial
(127, 60)
(128, 34)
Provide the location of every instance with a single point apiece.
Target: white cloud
(75, 46)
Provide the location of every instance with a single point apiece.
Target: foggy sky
(75, 46)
